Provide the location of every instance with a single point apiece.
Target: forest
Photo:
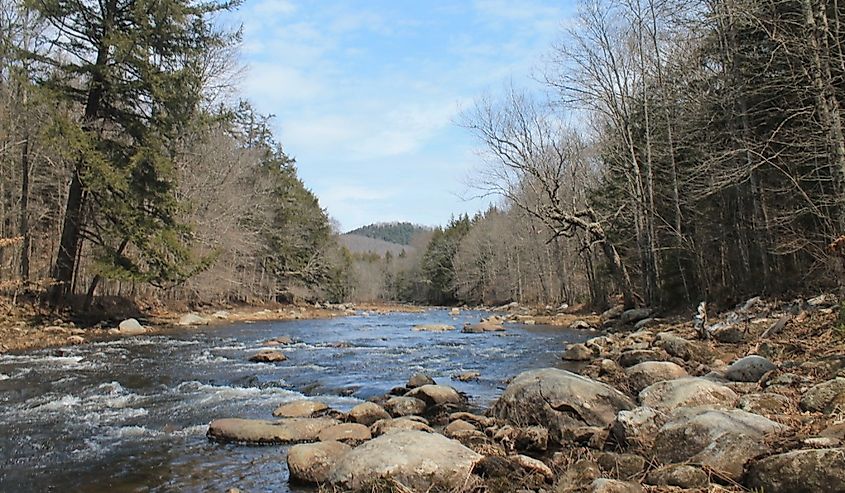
(678, 151)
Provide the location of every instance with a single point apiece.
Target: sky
(367, 94)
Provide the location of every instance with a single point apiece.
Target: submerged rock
(416, 460)
(559, 399)
(312, 462)
(260, 432)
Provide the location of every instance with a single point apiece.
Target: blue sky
(366, 93)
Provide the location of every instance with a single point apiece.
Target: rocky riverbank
(28, 326)
(752, 400)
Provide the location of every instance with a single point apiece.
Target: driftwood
(777, 326)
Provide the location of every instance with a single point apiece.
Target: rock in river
(577, 352)
(405, 406)
(368, 413)
(268, 356)
(416, 460)
(299, 409)
(351, 433)
(312, 462)
(436, 395)
(418, 380)
(559, 399)
(433, 327)
(131, 327)
(259, 431)
(411, 423)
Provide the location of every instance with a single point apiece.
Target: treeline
(400, 233)
(683, 150)
(129, 166)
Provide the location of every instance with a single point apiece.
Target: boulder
(131, 327)
(559, 399)
(482, 327)
(456, 426)
(765, 403)
(638, 427)
(300, 409)
(436, 395)
(577, 352)
(729, 335)
(580, 325)
(679, 475)
(192, 319)
(418, 380)
(479, 420)
(467, 376)
(749, 369)
(648, 373)
(312, 462)
(800, 471)
(416, 460)
(405, 406)
(220, 315)
(613, 313)
(724, 440)
(637, 356)
(622, 466)
(604, 485)
(351, 433)
(532, 466)
(368, 413)
(646, 323)
(75, 340)
(687, 392)
(821, 397)
(634, 315)
(268, 356)
(260, 432)
(385, 426)
(679, 347)
(433, 327)
(578, 476)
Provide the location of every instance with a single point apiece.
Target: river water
(131, 415)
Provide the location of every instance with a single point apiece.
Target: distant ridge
(399, 233)
(362, 244)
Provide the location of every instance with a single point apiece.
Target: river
(130, 415)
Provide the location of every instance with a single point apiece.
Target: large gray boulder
(418, 461)
(687, 392)
(638, 427)
(724, 440)
(260, 432)
(559, 399)
(800, 471)
(131, 327)
(312, 462)
(648, 373)
(749, 369)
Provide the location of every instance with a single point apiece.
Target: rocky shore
(752, 400)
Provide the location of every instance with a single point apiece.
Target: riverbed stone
(578, 476)
(821, 397)
(765, 403)
(559, 399)
(749, 369)
(648, 373)
(724, 440)
(192, 319)
(687, 392)
(638, 427)
(433, 327)
(577, 352)
(351, 433)
(418, 380)
(604, 485)
(436, 395)
(131, 327)
(678, 475)
(482, 327)
(634, 357)
(368, 413)
(800, 471)
(268, 356)
(260, 432)
(456, 426)
(467, 376)
(394, 425)
(405, 406)
(634, 315)
(279, 341)
(622, 466)
(312, 462)
(679, 347)
(416, 460)
(300, 409)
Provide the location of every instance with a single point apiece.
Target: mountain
(399, 233)
(362, 244)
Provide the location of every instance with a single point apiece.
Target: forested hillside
(130, 166)
(400, 233)
(681, 151)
